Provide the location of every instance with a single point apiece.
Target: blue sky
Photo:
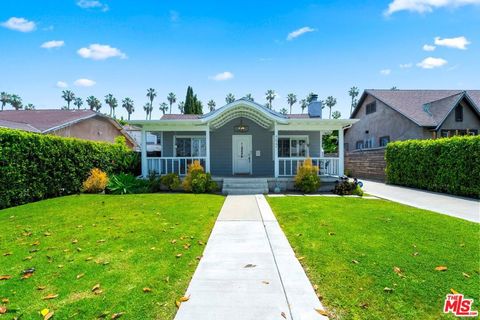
(240, 47)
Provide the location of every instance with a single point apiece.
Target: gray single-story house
(244, 139)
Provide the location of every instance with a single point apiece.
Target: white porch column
(321, 144)
(143, 150)
(275, 150)
(341, 153)
(207, 142)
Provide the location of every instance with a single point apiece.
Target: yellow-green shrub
(96, 182)
(197, 181)
(307, 179)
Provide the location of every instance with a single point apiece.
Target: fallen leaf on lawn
(117, 315)
(40, 288)
(186, 246)
(331, 233)
(283, 315)
(50, 296)
(398, 271)
(265, 282)
(79, 249)
(96, 287)
(415, 254)
(167, 279)
(198, 257)
(60, 266)
(47, 234)
(355, 261)
(179, 255)
(363, 305)
(5, 300)
(74, 241)
(6, 254)
(173, 241)
(33, 250)
(177, 303)
(386, 289)
(80, 275)
(27, 275)
(441, 268)
(3, 309)
(322, 312)
(89, 258)
(44, 312)
(98, 292)
(300, 258)
(250, 265)
(315, 287)
(146, 290)
(453, 291)
(200, 242)
(101, 241)
(466, 275)
(152, 248)
(27, 258)
(36, 243)
(184, 298)
(48, 315)
(5, 277)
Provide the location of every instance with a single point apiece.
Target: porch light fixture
(241, 127)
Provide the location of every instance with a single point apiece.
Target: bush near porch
(450, 165)
(35, 166)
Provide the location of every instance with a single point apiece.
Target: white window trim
(296, 137)
(187, 136)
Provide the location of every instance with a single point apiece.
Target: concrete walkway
(249, 270)
(467, 209)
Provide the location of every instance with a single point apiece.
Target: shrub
(35, 166)
(347, 187)
(450, 165)
(96, 182)
(126, 184)
(307, 179)
(197, 181)
(171, 181)
(154, 182)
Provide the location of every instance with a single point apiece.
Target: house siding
(471, 120)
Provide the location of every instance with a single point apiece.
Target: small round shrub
(96, 181)
(347, 187)
(171, 181)
(197, 181)
(307, 179)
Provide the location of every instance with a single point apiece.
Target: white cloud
(297, 33)
(100, 52)
(84, 82)
(53, 44)
(222, 76)
(92, 4)
(457, 43)
(406, 65)
(428, 47)
(422, 6)
(385, 72)
(19, 24)
(62, 84)
(174, 16)
(431, 63)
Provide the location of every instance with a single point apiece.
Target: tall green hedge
(450, 165)
(35, 166)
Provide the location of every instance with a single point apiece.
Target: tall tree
(353, 93)
(291, 99)
(171, 100)
(112, 102)
(303, 104)
(394, 88)
(16, 102)
(211, 105)
(181, 107)
(336, 114)
(127, 104)
(151, 94)
(4, 99)
(30, 106)
(68, 96)
(310, 97)
(283, 111)
(94, 103)
(330, 102)
(249, 97)
(164, 107)
(270, 96)
(229, 98)
(78, 102)
(192, 104)
(148, 110)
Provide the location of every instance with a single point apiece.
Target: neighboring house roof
(181, 116)
(48, 120)
(427, 108)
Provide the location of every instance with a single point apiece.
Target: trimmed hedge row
(35, 166)
(450, 165)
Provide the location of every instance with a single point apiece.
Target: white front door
(242, 154)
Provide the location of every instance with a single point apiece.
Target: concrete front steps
(234, 186)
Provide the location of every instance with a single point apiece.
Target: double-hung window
(294, 146)
(190, 146)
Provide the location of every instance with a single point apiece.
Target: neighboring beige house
(82, 124)
(390, 115)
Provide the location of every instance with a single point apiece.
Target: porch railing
(178, 165)
(326, 166)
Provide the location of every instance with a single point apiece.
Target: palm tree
(303, 104)
(283, 111)
(30, 106)
(4, 99)
(249, 97)
(16, 102)
(78, 103)
(291, 99)
(211, 105)
(330, 102)
(68, 96)
(336, 114)
(229, 98)
(148, 110)
(270, 95)
(112, 102)
(353, 92)
(172, 98)
(151, 94)
(181, 106)
(164, 107)
(94, 103)
(127, 103)
(310, 97)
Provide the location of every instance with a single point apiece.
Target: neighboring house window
(371, 107)
(154, 144)
(383, 141)
(294, 146)
(368, 143)
(190, 147)
(359, 145)
(451, 133)
(459, 113)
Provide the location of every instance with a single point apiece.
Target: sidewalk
(467, 209)
(248, 270)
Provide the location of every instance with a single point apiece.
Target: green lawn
(123, 243)
(351, 246)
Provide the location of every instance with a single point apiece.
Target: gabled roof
(427, 108)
